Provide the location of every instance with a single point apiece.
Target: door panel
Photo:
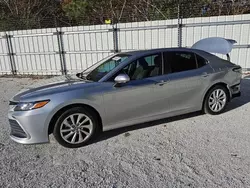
(187, 88)
(161, 94)
(187, 76)
(133, 100)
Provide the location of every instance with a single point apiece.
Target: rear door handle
(204, 74)
(162, 82)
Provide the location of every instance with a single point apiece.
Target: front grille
(16, 129)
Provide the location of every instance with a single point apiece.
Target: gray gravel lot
(193, 150)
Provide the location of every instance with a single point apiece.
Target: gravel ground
(193, 150)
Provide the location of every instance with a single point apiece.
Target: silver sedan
(126, 89)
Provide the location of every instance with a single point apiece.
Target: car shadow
(235, 103)
(245, 95)
(113, 133)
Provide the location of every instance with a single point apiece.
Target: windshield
(107, 66)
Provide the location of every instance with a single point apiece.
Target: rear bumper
(235, 91)
(236, 95)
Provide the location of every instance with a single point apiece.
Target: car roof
(211, 58)
(158, 50)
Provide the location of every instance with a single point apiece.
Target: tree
(229, 7)
(27, 14)
(19, 14)
(75, 10)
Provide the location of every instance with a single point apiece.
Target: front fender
(96, 104)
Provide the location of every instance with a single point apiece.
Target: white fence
(72, 49)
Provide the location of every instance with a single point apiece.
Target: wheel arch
(211, 87)
(63, 109)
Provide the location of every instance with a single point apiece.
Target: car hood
(50, 86)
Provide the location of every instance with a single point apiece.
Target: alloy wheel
(76, 128)
(217, 100)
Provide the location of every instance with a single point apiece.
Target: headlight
(25, 106)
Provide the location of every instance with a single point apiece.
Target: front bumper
(28, 127)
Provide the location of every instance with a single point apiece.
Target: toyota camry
(126, 89)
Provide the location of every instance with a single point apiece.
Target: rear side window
(179, 61)
(200, 61)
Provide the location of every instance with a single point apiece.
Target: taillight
(237, 69)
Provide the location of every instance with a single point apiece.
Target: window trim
(150, 54)
(181, 51)
(196, 61)
(162, 64)
(207, 62)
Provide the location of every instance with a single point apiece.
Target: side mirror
(121, 79)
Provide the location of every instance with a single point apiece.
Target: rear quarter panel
(222, 73)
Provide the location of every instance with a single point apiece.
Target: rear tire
(216, 100)
(76, 127)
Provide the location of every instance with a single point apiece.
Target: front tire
(216, 100)
(76, 127)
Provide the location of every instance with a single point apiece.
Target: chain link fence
(64, 46)
(130, 11)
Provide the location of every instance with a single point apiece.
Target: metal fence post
(180, 17)
(115, 38)
(61, 52)
(11, 54)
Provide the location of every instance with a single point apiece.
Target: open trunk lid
(215, 45)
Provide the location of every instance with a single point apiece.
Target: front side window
(106, 67)
(144, 67)
(179, 61)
